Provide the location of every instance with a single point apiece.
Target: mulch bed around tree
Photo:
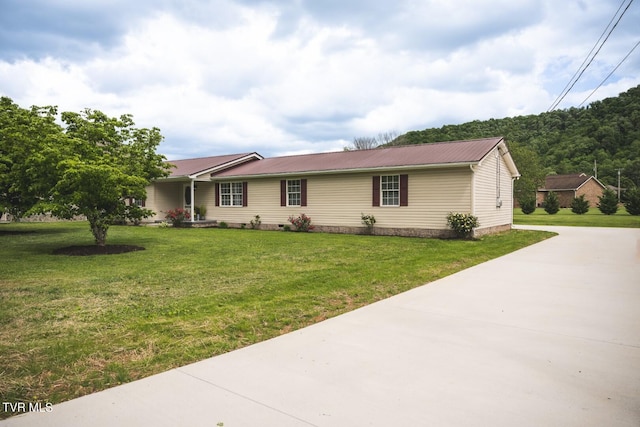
(97, 250)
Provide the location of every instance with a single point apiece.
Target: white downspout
(473, 190)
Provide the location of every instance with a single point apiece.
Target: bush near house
(301, 223)
(462, 224)
(178, 216)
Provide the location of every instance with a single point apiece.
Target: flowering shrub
(301, 223)
(462, 224)
(177, 216)
(369, 221)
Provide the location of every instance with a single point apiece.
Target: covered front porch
(194, 196)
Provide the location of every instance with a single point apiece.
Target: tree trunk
(99, 229)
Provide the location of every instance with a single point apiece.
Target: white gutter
(351, 170)
(473, 189)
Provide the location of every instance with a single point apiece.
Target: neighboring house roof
(421, 155)
(193, 168)
(567, 182)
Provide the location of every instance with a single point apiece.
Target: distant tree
(632, 203)
(369, 142)
(580, 205)
(532, 174)
(551, 204)
(608, 202)
(363, 143)
(528, 204)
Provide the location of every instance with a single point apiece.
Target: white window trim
(299, 193)
(231, 193)
(382, 190)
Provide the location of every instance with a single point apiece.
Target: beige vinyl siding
(485, 192)
(340, 199)
(163, 196)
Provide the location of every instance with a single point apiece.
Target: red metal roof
(441, 153)
(191, 167)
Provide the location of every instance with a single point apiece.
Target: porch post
(193, 212)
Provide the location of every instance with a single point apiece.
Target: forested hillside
(562, 141)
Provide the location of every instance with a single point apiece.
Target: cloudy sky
(302, 76)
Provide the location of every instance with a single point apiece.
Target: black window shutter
(376, 191)
(303, 192)
(404, 190)
(283, 192)
(245, 195)
(217, 193)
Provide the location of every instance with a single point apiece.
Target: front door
(187, 197)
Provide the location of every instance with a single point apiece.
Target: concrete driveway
(545, 336)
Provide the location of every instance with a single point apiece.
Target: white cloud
(290, 77)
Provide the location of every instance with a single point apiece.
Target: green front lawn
(593, 218)
(76, 325)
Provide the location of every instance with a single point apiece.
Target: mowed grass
(593, 218)
(70, 326)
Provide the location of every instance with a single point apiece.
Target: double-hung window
(294, 192)
(231, 194)
(390, 187)
(390, 190)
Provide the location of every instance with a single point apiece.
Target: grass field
(593, 218)
(75, 325)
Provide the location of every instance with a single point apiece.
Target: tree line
(605, 134)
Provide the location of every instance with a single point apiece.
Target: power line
(584, 67)
(610, 74)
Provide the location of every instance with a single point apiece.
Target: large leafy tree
(105, 162)
(27, 137)
(89, 167)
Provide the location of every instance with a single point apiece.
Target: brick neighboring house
(568, 187)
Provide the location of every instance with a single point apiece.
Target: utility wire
(610, 74)
(565, 89)
(584, 67)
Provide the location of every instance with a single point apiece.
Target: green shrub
(551, 203)
(178, 216)
(462, 224)
(369, 221)
(633, 201)
(255, 222)
(580, 205)
(301, 223)
(527, 204)
(608, 202)
(223, 224)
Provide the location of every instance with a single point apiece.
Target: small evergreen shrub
(223, 224)
(608, 202)
(633, 201)
(527, 204)
(580, 205)
(551, 203)
(462, 224)
(301, 223)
